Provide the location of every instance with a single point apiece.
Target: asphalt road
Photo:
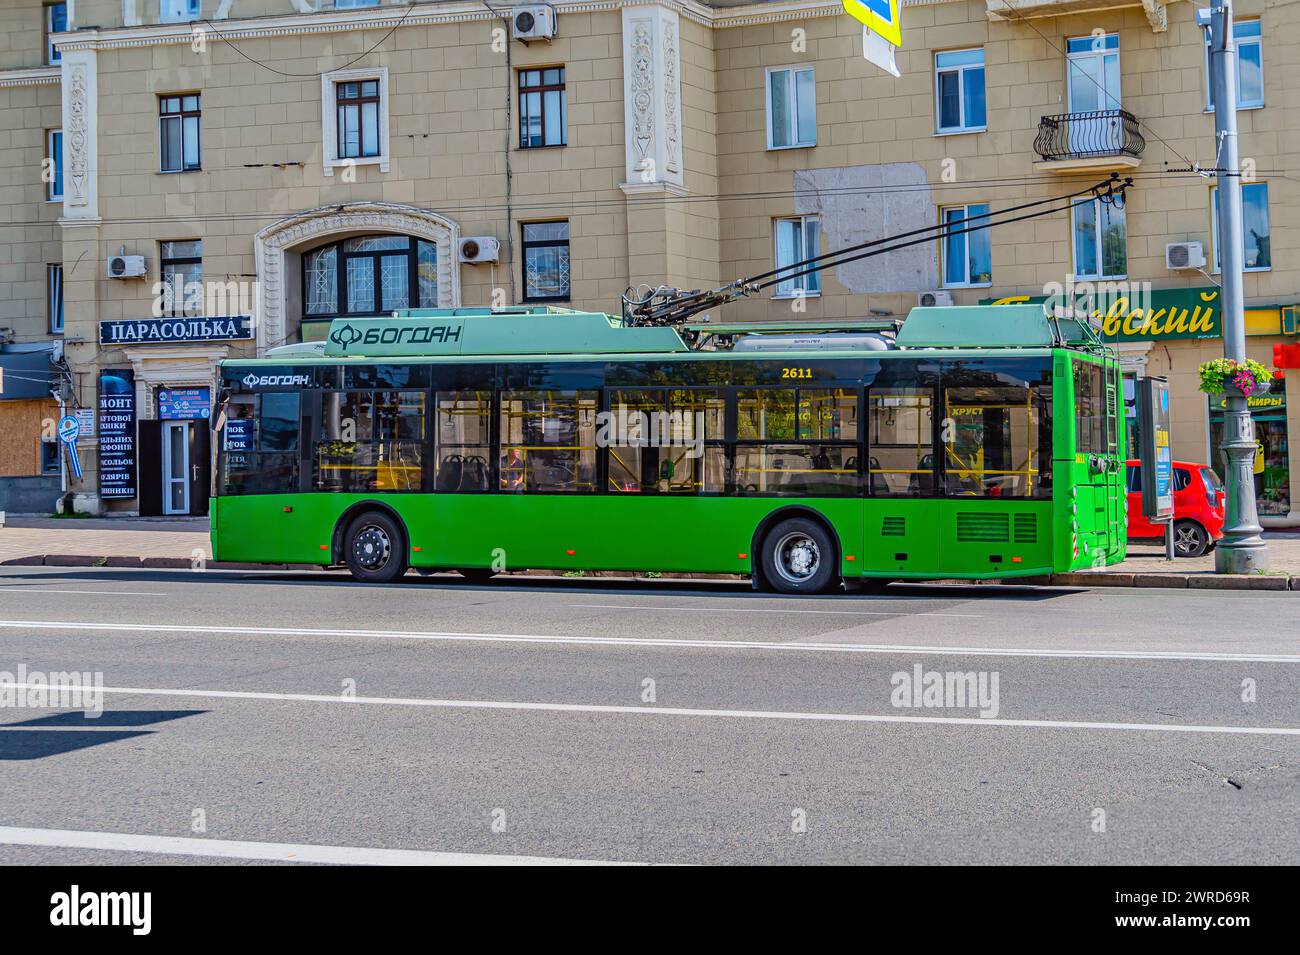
(264, 716)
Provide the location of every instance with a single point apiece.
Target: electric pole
(1242, 550)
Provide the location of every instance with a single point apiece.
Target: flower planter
(1218, 377)
(1232, 391)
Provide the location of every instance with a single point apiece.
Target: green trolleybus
(970, 442)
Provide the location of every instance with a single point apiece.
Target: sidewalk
(177, 542)
(117, 542)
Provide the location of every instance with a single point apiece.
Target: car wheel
(799, 557)
(375, 548)
(1190, 539)
(477, 575)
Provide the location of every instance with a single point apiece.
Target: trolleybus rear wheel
(799, 557)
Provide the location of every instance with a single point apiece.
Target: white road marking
(100, 593)
(692, 609)
(519, 705)
(661, 642)
(264, 851)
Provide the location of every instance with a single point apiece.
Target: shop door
(176, 467)
(200, 472)
(150, 462)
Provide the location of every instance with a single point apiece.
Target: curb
(1149, 581)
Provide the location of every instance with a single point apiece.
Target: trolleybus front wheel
(375, 548)
(799, 557)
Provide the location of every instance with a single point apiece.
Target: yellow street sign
(879, 16)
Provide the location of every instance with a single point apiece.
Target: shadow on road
(54, 734)
(732, 589)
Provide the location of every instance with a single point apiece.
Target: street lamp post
(1242, 549)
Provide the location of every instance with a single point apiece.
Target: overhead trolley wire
(670, 306)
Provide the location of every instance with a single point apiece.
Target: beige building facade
(276, 163)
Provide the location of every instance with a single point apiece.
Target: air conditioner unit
(937, 297)
(1184, 255)
(533, 23)
(480, 248)
(126, 267)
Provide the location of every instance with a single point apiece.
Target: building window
(353, 4)
(546, 261)
(354, 117)
(56, 21)
(54, 153)
(542, 108)
(1257, 253)
(1250, 66)
(959, 91)
(797, 239)
(1100, 240)
(182, 277)
(358, 119)
(369, 275)
(967, 259)
(791, 108)
(1272, 461)
(178, 132)
(179, 11)
(1092, 73)
(54, 297)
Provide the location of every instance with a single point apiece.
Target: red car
(1198, 508)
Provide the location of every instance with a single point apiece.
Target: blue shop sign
(175, 403)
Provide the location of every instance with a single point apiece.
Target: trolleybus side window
(548, 441)
(1090, 427)
(261, 444)
(797, 442)
(997, 436)
(371, 441)
(901, 430)
(464, 434)
(667, 441)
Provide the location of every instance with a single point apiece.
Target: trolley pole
(1242, 550)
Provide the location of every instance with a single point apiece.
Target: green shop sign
(1145, 315)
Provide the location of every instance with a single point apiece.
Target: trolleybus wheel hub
(797, 557)
(373, 547)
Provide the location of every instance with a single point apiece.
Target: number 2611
(796, 373)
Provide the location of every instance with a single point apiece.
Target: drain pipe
(510, 227)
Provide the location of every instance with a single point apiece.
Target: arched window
(369, 275)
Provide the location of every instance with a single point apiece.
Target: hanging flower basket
(1223, 376)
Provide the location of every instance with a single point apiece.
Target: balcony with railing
(1097, 140)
